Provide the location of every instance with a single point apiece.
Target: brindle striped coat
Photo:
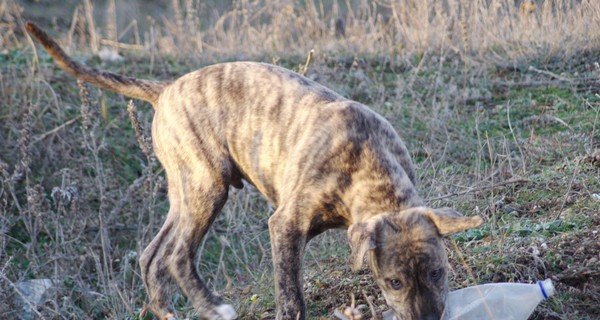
(322, 160)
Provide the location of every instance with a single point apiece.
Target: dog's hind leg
(157, 279)
(196, 199)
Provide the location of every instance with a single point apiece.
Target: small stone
(35, 291)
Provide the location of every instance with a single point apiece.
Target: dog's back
(279, 129)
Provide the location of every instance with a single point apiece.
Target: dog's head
(408, 258)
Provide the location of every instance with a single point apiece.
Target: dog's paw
(225, 312)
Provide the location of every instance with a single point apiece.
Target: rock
(36, 291)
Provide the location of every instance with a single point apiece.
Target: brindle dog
(322, 160)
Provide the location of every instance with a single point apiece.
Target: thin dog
(322, 160)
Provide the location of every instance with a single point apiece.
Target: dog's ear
(362, 237)
(449, 221)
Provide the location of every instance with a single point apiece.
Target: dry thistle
(64, 197)
(36, 201)
(36, 207)
(86, 113)
(22, 168)
(144, 140)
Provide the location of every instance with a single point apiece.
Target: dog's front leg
(288, 240)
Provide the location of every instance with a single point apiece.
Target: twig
(512, 133)
(137, 183)
(120, 45)
(461, 257)
(113, 227)
(304, 68)
(512, 181)
(66, 124)
(548, 73)
(547, 83)
(564, 202)
(371, 306)
(89, 14)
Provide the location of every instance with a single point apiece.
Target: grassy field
(498, 102)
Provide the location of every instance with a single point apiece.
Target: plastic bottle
(501, 301)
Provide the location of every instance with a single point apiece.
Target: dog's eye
(436, 275)
(395, 284)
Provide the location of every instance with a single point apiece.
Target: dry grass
(497, 31)
(81, 193)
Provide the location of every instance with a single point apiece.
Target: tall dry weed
(492, 31)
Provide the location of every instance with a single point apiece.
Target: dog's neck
(367, 205)
(393, 192)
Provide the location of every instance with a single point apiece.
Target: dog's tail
(136, 88)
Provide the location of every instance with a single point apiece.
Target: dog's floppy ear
(362, 237)
(449, 221)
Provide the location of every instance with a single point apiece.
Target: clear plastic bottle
(501, 301)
